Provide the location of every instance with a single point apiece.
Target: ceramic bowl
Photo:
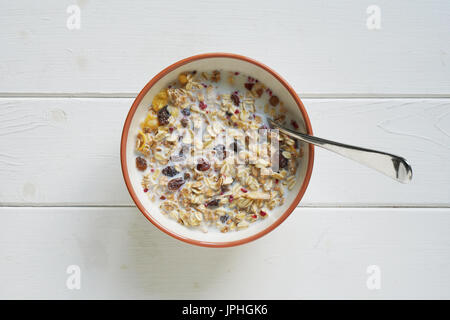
(208, 62)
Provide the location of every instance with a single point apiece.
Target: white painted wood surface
(321, 47)
(78, 139)
(121, 255)
(64, 95)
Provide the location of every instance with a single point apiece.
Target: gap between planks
(315, 206)
(127, 95)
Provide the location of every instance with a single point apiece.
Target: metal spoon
(391, 165)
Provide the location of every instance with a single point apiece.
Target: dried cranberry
(262, 213)
(244, 190)
(202, 105)
(175, 184)
(220, 151)
(169, 171)
(162, 198)
(235, 99)
(141, 163)
(203, 165)
(224, 218)
(184, 122)
(294, 124)
(163, 116)
(274, 100)
(249, 86)
(186, 112)
(213, 203)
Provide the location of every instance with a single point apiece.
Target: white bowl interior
(208, 64)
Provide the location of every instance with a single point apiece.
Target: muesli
(207, 155)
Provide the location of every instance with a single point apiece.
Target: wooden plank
(122, 255)
(322, 48)
(66, 151)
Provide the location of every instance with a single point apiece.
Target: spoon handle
(391, 165)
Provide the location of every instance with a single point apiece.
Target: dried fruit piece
(186, 176)
(235, 99)
(163, 116)
(141, 163)
(202, 105)
(294, 124)
(203, 165)
(184, 122)
(249, 86)
(213, 203)
(169, 171)
(186, 112)
(175, 184)
(274, 100)
(282, 161)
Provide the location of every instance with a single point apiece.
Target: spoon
(391, 165)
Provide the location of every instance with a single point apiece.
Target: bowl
(205, 62)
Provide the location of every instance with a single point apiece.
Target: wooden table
(370, 73)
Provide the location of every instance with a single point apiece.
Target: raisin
(186, 176)
(213, 203)
(283, 162)
(235, 99)
(249, 86)
(203, 165)
(141, 163)
(274, 100)
(224, 188)
(259, 92)
(224, 218)
(186, 112)
(220, 151)
(163, 116)
(228, 113)
(175, 184)
(169, 171)
(184, 122)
